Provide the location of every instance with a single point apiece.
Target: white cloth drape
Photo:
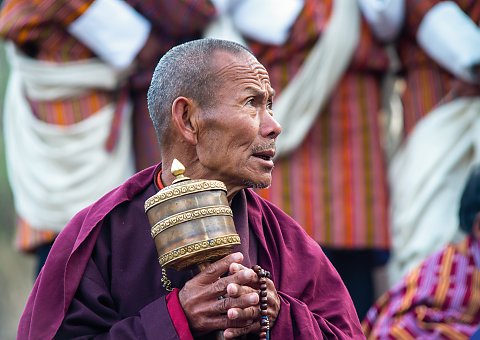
(55, 171)
(426, 178)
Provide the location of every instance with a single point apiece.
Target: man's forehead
(240, 66)
(225, 59)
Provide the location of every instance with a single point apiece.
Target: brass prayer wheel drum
(191, 221)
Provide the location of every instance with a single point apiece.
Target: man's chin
(261, 186)
(258, 184)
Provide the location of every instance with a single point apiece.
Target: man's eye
(251, 101)
(269, 105)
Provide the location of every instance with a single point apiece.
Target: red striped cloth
(440, 299)
(39, 27)
(28, 239)
(334, 184)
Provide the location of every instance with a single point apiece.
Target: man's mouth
(265, 152)
(265, 155)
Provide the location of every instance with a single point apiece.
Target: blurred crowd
(379, 101)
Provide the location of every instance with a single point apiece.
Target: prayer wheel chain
(167, 284)
(263, 275)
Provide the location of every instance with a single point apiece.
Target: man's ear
(476, 227)
(184, 119)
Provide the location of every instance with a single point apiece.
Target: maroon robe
(103, 277)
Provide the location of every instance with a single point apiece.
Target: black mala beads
(263, 275)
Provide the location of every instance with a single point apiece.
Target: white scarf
(55, 171)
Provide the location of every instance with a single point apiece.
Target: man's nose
(270, 127)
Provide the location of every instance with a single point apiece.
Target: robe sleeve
(319, 307)
(451, 38)
(385, 17)
(92, 313)
(94, 310)
(102, 35)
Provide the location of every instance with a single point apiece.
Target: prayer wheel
(191, 221)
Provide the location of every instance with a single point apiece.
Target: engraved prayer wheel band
(191, 220)
(193, 253)
(176, 190)
(190, 215)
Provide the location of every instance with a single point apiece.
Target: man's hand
(212, 302)
(234, 290)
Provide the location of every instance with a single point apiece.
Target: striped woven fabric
(39, 28)
(438, 300)
(334, 184)
(28, 239)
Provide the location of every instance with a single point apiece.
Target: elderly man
(210, 101)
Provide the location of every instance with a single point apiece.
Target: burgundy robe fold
(102, 276)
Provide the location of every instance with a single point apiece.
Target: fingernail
(231, 289)
(232, 314)
(253, 298)
(237, 257)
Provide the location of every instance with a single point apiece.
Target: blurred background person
(15, 269)
(76, 119)
(439, 299)
(439, 51)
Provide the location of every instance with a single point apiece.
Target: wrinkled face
(236, 141)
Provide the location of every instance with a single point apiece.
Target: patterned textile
(440, 299)
(28, 239)
(334, 184)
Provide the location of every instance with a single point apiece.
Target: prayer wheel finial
(177, 170)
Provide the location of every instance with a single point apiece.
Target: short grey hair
(185, 70)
